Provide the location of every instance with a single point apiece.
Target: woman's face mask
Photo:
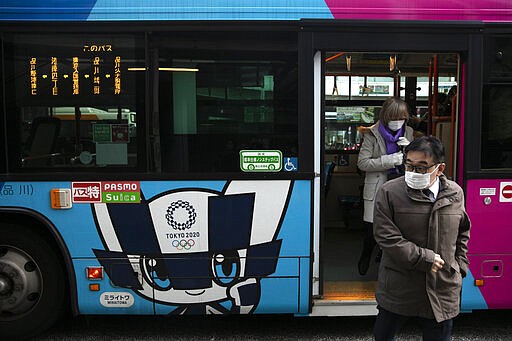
(395, 125)
(418, 180)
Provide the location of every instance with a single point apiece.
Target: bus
(122, 185)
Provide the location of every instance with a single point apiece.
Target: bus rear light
(479, 282)
(60, 198)
(94, 272)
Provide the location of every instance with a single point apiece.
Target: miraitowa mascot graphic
(203, 251)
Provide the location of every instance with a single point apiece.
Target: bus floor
(342, 280)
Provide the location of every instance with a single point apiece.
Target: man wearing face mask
(423, 230)
(381, 159)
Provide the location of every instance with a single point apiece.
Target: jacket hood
(365, 130)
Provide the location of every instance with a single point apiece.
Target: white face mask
(395, 125)
(417, 180)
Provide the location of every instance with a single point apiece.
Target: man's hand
(438, 263)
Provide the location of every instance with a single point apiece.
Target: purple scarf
(391, 137)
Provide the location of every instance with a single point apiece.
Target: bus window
(501, 56)
(497, 100)
(74, 104)
(497, 127)
(215, 102)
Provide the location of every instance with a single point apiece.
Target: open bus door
(351, 100)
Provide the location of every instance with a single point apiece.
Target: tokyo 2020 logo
(181, 215)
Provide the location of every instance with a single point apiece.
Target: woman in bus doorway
(381, 158)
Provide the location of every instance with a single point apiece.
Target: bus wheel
(33, 291)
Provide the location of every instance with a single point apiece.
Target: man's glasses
(418, 169)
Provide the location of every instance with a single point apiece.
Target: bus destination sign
(95, 70)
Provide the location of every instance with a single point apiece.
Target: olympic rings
(183, 244)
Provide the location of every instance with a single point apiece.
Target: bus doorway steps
(343, 308)
(349, 290)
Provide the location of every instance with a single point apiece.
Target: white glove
(402, 142)
(391, 160)
(398, 158)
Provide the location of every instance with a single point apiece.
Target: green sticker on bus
(261, 160)
(120, 197)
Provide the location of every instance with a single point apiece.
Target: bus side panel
(77, 228)
(261, 278)
(489, 205)
(193, 247)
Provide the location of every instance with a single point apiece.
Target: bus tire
(33, 290)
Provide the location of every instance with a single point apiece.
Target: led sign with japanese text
(92, 69)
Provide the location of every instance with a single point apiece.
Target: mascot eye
(226, 267)
(154, 273)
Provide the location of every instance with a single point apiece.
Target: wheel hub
(5, 285)
(20, 282)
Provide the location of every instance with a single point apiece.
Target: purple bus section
(484, 10)
(101, 10)
(490, 247)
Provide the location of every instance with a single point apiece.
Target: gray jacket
(410, 229)
(373, 160)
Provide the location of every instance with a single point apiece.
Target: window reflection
(73, 101)
(234, 101)
(497, 127)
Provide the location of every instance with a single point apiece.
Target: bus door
(353, 86)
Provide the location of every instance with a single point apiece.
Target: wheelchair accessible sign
(261, 160)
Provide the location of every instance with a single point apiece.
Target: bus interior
(355, 86)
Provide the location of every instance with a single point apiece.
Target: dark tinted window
(219, 94)
(497, 127)
(72, 101)
(500, 49)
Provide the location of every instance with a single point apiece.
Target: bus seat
(350, 208)
(41, 142)
(329, 168)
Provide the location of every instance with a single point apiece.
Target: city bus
(124, 127)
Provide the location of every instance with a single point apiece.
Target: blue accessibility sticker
(290, 164)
